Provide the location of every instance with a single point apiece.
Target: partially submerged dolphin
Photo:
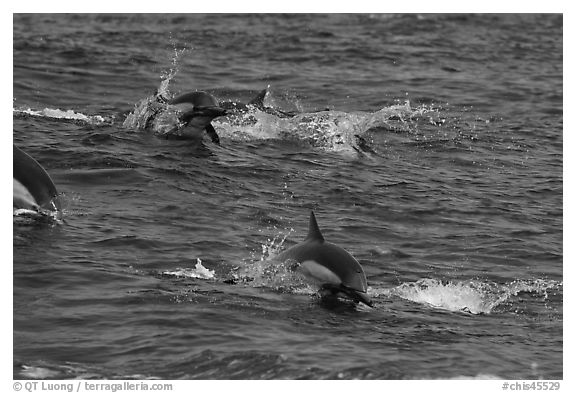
(197, 110)
(329, 266)
(256, 102)
(33, 187)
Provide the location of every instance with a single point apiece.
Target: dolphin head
(197, 104)
(197, 109)
(328, 265)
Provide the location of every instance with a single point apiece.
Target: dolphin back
(30, 174)
(196, 98)
(258, 101)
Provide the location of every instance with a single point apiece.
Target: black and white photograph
(287, 196)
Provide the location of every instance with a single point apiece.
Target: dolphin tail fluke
(314, 230)
(212, 134)
(258, 101)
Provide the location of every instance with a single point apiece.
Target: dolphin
(197, 109)
(328, 265)
(258, 103)
(33, 187)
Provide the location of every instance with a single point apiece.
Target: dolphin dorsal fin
(258, 101)
(314, 230)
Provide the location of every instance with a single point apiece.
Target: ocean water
(428, 146)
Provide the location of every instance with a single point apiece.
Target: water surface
(438, 166)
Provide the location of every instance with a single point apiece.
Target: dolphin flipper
(212, 133)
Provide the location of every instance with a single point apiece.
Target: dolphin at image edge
(330, 266)
(33, 187)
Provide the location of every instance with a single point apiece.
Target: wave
(198, 271)
(472, 296)
(48, 370)
(60, 114)
(468, 296)
(329, 130)
(31, 217)
(263, 273)
(259, 273)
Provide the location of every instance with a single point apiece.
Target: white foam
(199, 271)
(33, 372)
(476, 297)
(333, 131)
(62, 114)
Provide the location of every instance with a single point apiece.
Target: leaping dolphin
(329, 266)
(33, 187)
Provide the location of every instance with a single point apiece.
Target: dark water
(451, 198)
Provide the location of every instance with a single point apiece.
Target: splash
(60, 114)
(71, 370)
(334, 131)
(37, 372)
(167, 75)
(267, 273)
(199, 271)
(475, 297)
(152, 112)
(28, 216)
(149, 113)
